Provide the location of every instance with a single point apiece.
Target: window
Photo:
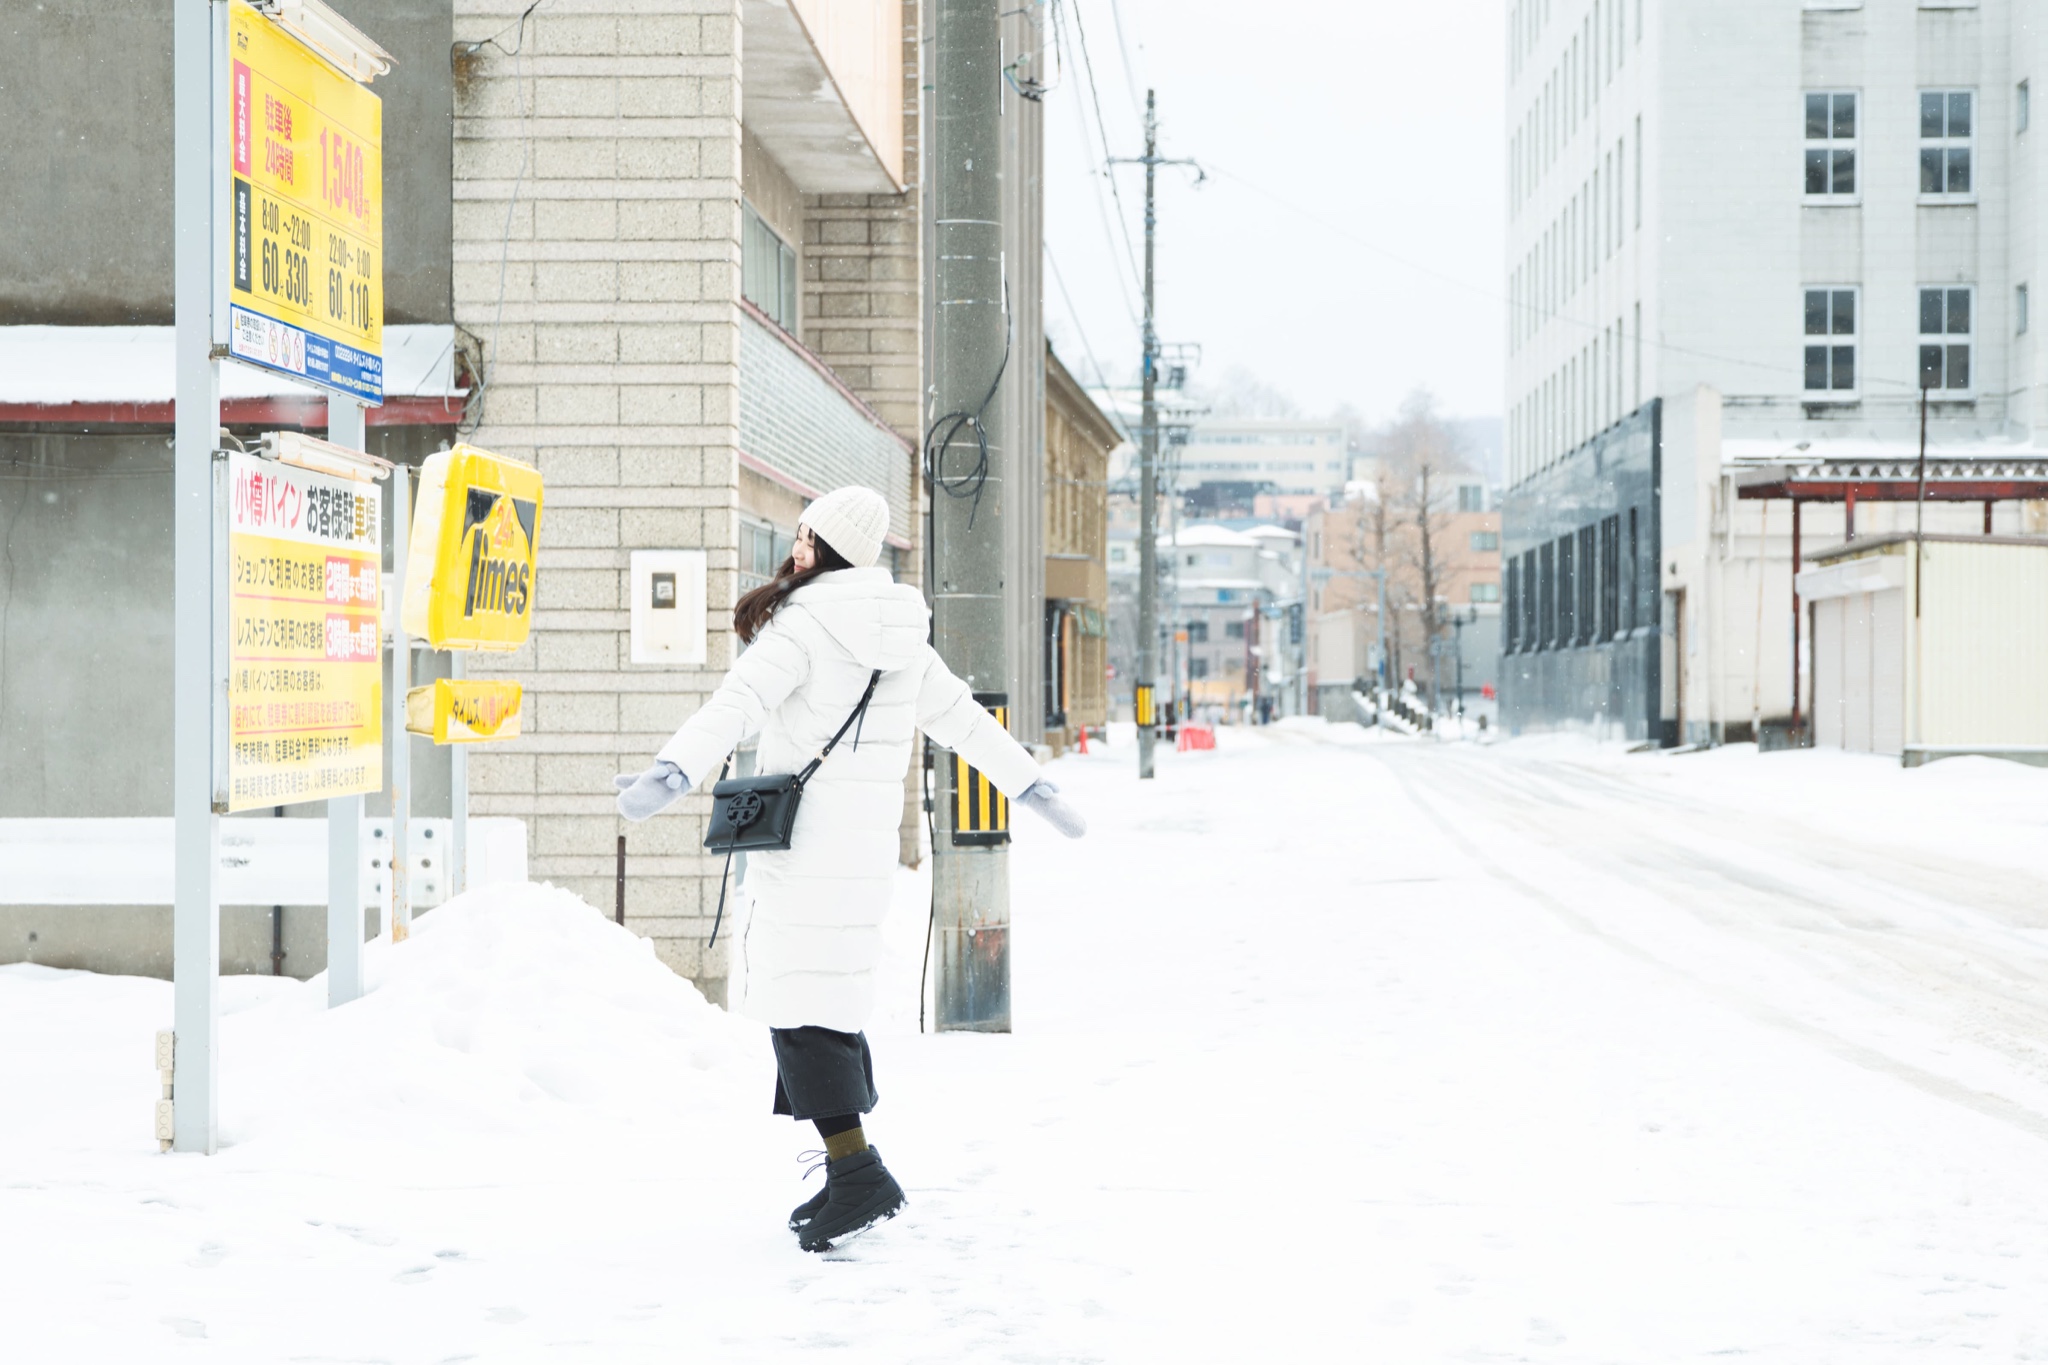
(1485, 540)
(1945, 340)
(2022, 107)
(1525, 590)
(1830, 342)
(1471, 497)
(2019, 310)
(1634, 568)
(1511, 618)
(1198, 632)
(1639, 156)
(1198, 668)
(1586, 567)
(767, 270)
(1485, 592)
(1610, 576)
(1565, 629)
(762, 550)
(1830, 145)
(1546, 598)
(1945, 144)
(1233, 630)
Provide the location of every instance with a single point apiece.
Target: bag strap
(858, 712)
(721, 902)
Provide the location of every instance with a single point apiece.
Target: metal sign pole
(346, 422)
(401, 683)
(199, 32)
(458, 798)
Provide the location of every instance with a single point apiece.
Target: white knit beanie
(852, 521)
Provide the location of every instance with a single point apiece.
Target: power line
(1116, 14)
(1496, 296)
(1101, 378)
(1102, 132)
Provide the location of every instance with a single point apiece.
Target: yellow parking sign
(306, 218)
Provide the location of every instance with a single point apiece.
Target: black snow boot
(859, 1193)
(806, 1211)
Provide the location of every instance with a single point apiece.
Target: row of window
(1946, 331)
(1579, 589)
(1948, 127)
(1594, 56)
(1588, 230)
(1582, 396)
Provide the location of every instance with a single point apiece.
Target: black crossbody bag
(749, 814)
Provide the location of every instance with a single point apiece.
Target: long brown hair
(754, 608)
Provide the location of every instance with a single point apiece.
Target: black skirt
(821, 1073)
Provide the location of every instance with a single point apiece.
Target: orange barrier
(1196, 737)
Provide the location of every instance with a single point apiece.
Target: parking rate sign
(305, 659)
(306, 221)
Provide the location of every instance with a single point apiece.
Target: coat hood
(880, 622)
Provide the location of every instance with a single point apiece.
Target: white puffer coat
(806, 950)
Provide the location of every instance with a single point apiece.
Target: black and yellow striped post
(981, 814)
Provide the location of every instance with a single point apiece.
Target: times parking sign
(306, 217)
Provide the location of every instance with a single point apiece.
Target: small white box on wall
(669, 621)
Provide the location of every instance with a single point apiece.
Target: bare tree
(1420, 455)
(1238, 392)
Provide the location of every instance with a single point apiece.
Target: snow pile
(511, 1010)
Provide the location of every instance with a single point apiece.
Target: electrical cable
(1102, 134)
(945, 429)
(1030, 87)
(1102, 379)
(1116, 15)
(1541, 314)
(931, 824)
(473, 407)
(1118, 263)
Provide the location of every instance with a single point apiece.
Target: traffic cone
(1084, 740)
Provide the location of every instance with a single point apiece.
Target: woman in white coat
(804, 959)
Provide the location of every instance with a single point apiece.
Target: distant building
(1078, 440)
(1742, 239)
(1344, 546)
(1224, 593)
(1274, 455)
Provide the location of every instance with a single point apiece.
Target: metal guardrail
(263, 860)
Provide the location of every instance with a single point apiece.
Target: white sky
(1380, 127)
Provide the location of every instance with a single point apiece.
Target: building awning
(1895, 478)
(127, 376)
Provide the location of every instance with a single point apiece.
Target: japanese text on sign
(305, 663)
(307, 218)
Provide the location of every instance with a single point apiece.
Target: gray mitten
(652, 792)
(1042, 796)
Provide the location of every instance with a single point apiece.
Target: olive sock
(843, 1136)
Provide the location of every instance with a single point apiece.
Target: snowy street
(1328, 1048)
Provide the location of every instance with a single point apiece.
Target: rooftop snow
(139, 365)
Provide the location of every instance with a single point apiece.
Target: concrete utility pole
(970, 879)
(1148, 451)
(1148, 471)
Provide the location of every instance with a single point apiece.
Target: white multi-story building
(1280, 455)
(1742, 236)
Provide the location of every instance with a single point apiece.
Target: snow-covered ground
(1328, 1047)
